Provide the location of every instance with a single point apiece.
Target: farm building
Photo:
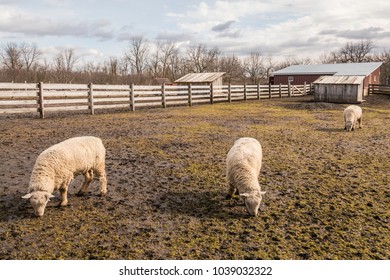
(339, 89)
(300, 74)
(214, 78)
(343, 82)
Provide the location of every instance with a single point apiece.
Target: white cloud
(300, 27)
(24, 23)
(173, 36)
(286, 27)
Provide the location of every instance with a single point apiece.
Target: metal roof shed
(299, 74)
(339, 89)
(214, 78)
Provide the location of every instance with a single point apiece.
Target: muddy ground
(327, 190)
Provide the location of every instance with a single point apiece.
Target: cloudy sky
(98, 29)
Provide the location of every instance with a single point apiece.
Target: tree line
(143, 61)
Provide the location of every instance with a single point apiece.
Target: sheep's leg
(231, 190)
(64, 193)
(101, 173)
(88, 177)
(360, 123)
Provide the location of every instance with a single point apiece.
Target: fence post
(211, 93)
(90, 99)
(229, 93)
(245, 93)
(41, 107)
(132, 101)
(269, 90)
(164, 101)
(190, 95)
(289, 89)
(258, 91)
(280, 90)
(304, 88)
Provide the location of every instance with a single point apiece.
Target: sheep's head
(38, 200)
(348, 125)
(252, 201)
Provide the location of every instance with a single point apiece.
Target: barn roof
(341, 80)
(337, 69)
(200, 77)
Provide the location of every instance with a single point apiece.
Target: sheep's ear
(263, 193)
(27, 196)
(48, 196)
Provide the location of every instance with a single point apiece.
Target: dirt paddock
(327, 190)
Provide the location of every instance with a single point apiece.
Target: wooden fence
(378, 89)
(43, 98)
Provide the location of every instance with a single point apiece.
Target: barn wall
(298, 79)
(338, 93)
(373, 78)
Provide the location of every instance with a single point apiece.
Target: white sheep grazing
(352, 114)
(55, 168)
(243, 164)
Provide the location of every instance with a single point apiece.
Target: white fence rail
(42, 98)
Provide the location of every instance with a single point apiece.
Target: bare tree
(41, 70)
(384, 57)
(201, 59)
(124, 66)
(178, 66)
(162, 60)
(293, 60)
(137, 54)
(112, 69)
(328, 58)
(269, 67)
(113, 65)
(231, 65)
(30, 54)
(254, 68)
(70, 59)
(356, 52)
(11, 58)
(154, 62)
(351, 52)
(64, 63)
(168, 52)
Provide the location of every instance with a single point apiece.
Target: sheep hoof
(80, 193)
(228, 197)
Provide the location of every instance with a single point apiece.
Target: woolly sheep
(352, 114)
(55, 168)
(243, 164)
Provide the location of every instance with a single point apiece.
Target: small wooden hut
(339, 89)
(214, 78)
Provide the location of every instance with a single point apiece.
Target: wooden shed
(339, 89)
(214, 78)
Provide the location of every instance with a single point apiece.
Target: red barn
(300, 74)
